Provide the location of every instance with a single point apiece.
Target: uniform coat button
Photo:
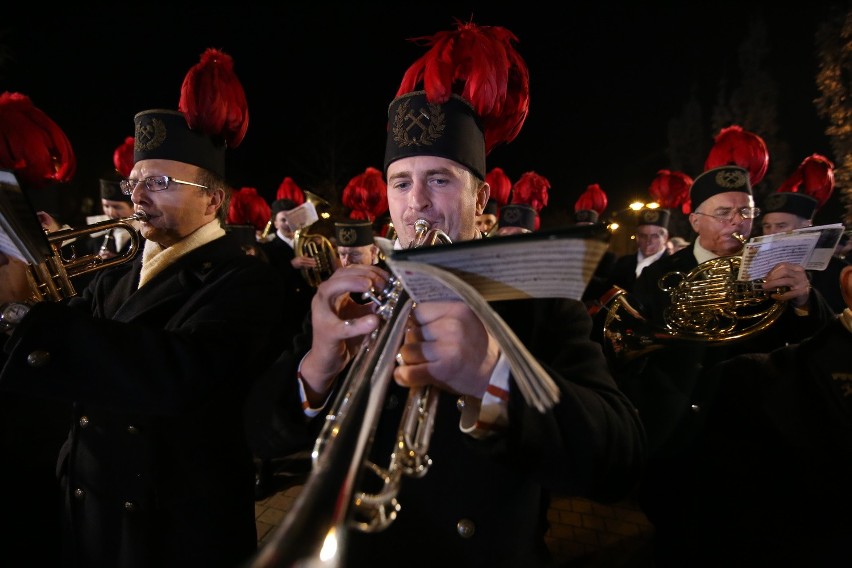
(460, 403)
(465, 528)
(131, 429)
(84, 421)
(130, 506)
(38, 359)
(79, 493)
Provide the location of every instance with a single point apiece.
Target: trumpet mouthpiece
(739, 237)
(141, 216)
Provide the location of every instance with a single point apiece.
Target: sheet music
(534, 265)
(810, 247)
(21, 234)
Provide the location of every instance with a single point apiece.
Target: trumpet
(315, 530)
(50, 279)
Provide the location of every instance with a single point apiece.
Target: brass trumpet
(315, 530)
(50, 279)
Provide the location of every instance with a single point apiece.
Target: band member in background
(651, 235)
(487, 221)
(355, 243)
(33, 428)
(158, 354)
(494, 457)
(787, 211)
(666, 384)
(115, 205)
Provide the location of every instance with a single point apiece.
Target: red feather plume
(122, 157)
(593, 199)
(501, 186)
(671, 190)
(817, 177)
(366, 195)
(289, 190)
(213, 99)
(814, 177)
(247, 207)
(480, 64)
(735, 146)
(532, 189)
(32, 144)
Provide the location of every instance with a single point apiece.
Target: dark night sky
(605, 80)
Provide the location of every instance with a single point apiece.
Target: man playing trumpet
(483, 501)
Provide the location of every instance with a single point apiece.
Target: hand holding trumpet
(339, 323)
(446, 345)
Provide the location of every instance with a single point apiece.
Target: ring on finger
(399, 360)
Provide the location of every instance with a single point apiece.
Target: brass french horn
(708, 304)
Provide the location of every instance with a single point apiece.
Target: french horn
(708, 304)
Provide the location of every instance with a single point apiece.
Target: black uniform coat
(828, 282)
(663, 383)
(769, 478)
(623, 273)
(483, 502)
(156, 470)
(297, 290)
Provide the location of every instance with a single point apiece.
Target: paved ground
(582, 533)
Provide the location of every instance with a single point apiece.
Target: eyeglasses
(153, 183)
(727, 215)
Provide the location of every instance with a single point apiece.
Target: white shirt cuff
(486, 417)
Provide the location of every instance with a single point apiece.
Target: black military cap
(353, 233)
(165, 135)
(517, 215)
(659, 217)
(450, 130)
(111, 191)
(799, 204)
(718, 180)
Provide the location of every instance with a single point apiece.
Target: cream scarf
(155, 258)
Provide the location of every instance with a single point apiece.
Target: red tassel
(213, 99)
(366, 195)
(501, 186)
(32, 144)
(593, 199)
(122, 158)
(735, 146)
(289, 190)
(670, 189)
(480, 64)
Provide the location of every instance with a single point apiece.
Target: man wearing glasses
(668, 386)
(158, 356)
(652, 233)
